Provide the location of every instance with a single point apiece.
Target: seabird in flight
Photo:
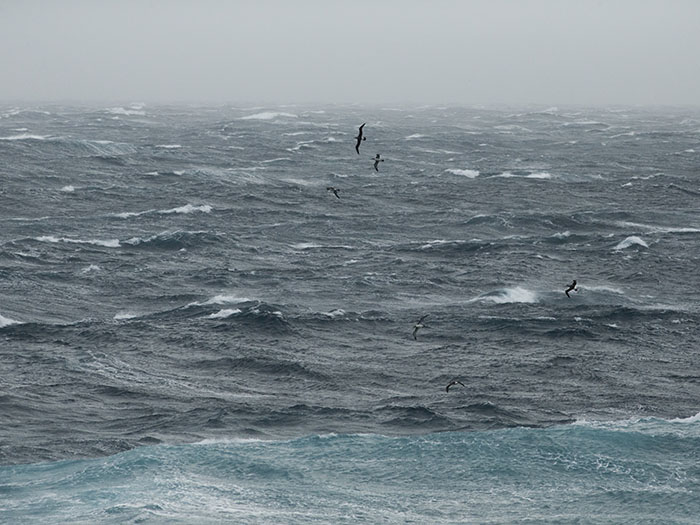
(360, 138)
(377, 160)
(572, 286)
(418, 326)
(453, 383)
(334, 190)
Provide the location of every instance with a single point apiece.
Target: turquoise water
(637, 471)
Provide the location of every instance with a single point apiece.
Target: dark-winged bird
(453, 383)
(418, 326)
(377, 160)
(360, 138)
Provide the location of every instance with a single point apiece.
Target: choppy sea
(193, 329)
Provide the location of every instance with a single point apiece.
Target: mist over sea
(194, 330)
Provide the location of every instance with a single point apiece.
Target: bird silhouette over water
(571, 287)
(334, 190)
(419, 324)
(360, 138)
(453, 383)
(377, 160)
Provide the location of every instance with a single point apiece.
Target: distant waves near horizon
(194, 329)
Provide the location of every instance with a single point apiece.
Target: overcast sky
(584, 52)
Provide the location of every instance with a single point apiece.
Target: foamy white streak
(124, 111)
(6, 321)
(602, 288)
(225, 299)
(124, 315)
(658, 229)
(25, 136)
(306, 246)
(268, 115)
(511, 295)
(110, 243)
(188, 208)
(691, 419)
(222, 314)
(472, 174)
(631, 241)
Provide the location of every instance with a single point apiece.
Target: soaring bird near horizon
(360, 138)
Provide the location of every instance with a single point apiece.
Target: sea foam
(632, 240)
(110, 243)
(472, 174)
(6, 321)
(509, 295)
(188, 208)
(268, 115)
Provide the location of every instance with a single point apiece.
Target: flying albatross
(453, 383)
(418, 326)
(377, 160)
(360, 138)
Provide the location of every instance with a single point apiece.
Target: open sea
(193, 329)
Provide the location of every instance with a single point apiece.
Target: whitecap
(631, 241)
(627, 134)
(124, 315)
(277, 159)
(91, 268)
(127, 214)
(222, 314)
(602, 288)
(188, 208)
(562, 235)
(658, 229)
(305, 144)
(306, 245)
(440, 242)
(110, 243)
(68, 189)
(25, 136)
(6, 321)
(224, 299)
(124, 111)
(169, 146)
(338, 312)
(300, 182)
(691, 419)
(510, 295)
(472, 174)
(268, 115)
(415, 136)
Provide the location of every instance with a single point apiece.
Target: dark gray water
(176, 274)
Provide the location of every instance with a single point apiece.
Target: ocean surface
(193, 329)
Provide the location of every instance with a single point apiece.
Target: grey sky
(352, 51)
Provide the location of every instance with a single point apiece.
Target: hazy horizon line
(249, 104)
